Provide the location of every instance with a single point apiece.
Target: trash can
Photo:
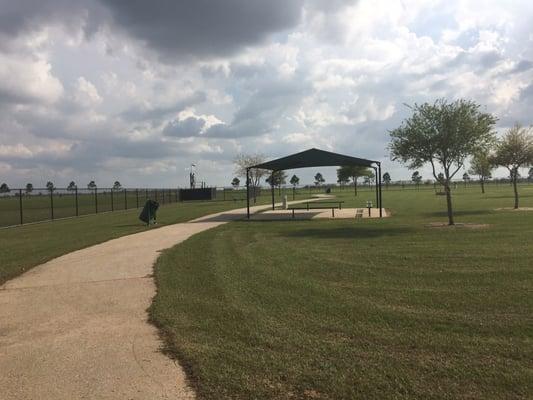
(284, 202)
(149, 211)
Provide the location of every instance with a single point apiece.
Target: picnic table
(316, 205)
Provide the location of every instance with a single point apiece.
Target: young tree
(386, 179)
(71, 186)
(235, 182)
(442, 134)
(244, 161)
(50, 186)
(466, 178)
(276, 179)
(319, 179)
(295, 181)
(4, 188)
(91, 185)
(416, 178)
(29, 187)
(354, 172)
(481, 166)
(514, 151)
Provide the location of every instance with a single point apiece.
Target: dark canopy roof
(313, 158)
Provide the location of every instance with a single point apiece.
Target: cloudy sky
(138, 90)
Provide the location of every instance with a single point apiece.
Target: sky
(137, 91)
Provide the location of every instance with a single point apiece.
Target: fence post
(77, 207)
(96, 199)
(112, 205)
(20, 206)
(52, 203)
(125, 199)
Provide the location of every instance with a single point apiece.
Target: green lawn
(375, 309)
(23, 247)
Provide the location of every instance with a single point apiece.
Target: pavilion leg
(272, 188)
(247, 193)
(380, 198)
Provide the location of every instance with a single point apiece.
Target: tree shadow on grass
(348, 232)
(461, 213)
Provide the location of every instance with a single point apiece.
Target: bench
(317, 205)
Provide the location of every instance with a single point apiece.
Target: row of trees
(4, 188)
(446, 134)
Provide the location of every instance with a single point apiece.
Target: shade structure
(315, 158)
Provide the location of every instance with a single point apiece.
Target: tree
(4, 188)
(442, 134)
(276, 179)
(91, 185)
(354, 172)
(244, 161)
(235, 182)
(481, 166)
(117, 186)
(530, 174)
(295, 181)
(369, 178)
(466, 178)
(50, 186)
(29, 187)
(319, 179)
(514, 151)
(71, 186)
(416, 178)
(386, 179)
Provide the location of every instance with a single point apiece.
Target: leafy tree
(369, 178)
(244, 161)
(117, 185)
(4, 188)
(530, 174)
(443, 134)
(513, 151)
(466, 178)
(71, 186)
(481, 166)
(354, 172)
(319, 179)
(416, 178)
(295, 181)
(235, 182)
(276, 179)
(386, 179)
(29, 187)
(91, 185)
(50, 186)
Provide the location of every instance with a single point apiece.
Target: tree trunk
(355, 187)
(482, 185)
(515, 178)
(449, 202)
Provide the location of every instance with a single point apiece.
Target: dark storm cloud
(186, 128)
(143, 114)
(202, 27)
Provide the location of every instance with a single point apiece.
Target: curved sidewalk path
(76, 327)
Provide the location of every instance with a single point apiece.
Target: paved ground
(76, 327)
(345, 213)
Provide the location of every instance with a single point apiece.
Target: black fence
(21, 206)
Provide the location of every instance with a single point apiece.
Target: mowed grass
(24, 247)
(375, 309)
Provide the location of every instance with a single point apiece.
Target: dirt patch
(457, 225)
(514, 209)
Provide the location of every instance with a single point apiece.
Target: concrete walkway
(76, 327)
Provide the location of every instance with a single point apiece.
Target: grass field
(375, 309)
(26, 246)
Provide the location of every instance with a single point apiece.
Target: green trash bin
(149, 212)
